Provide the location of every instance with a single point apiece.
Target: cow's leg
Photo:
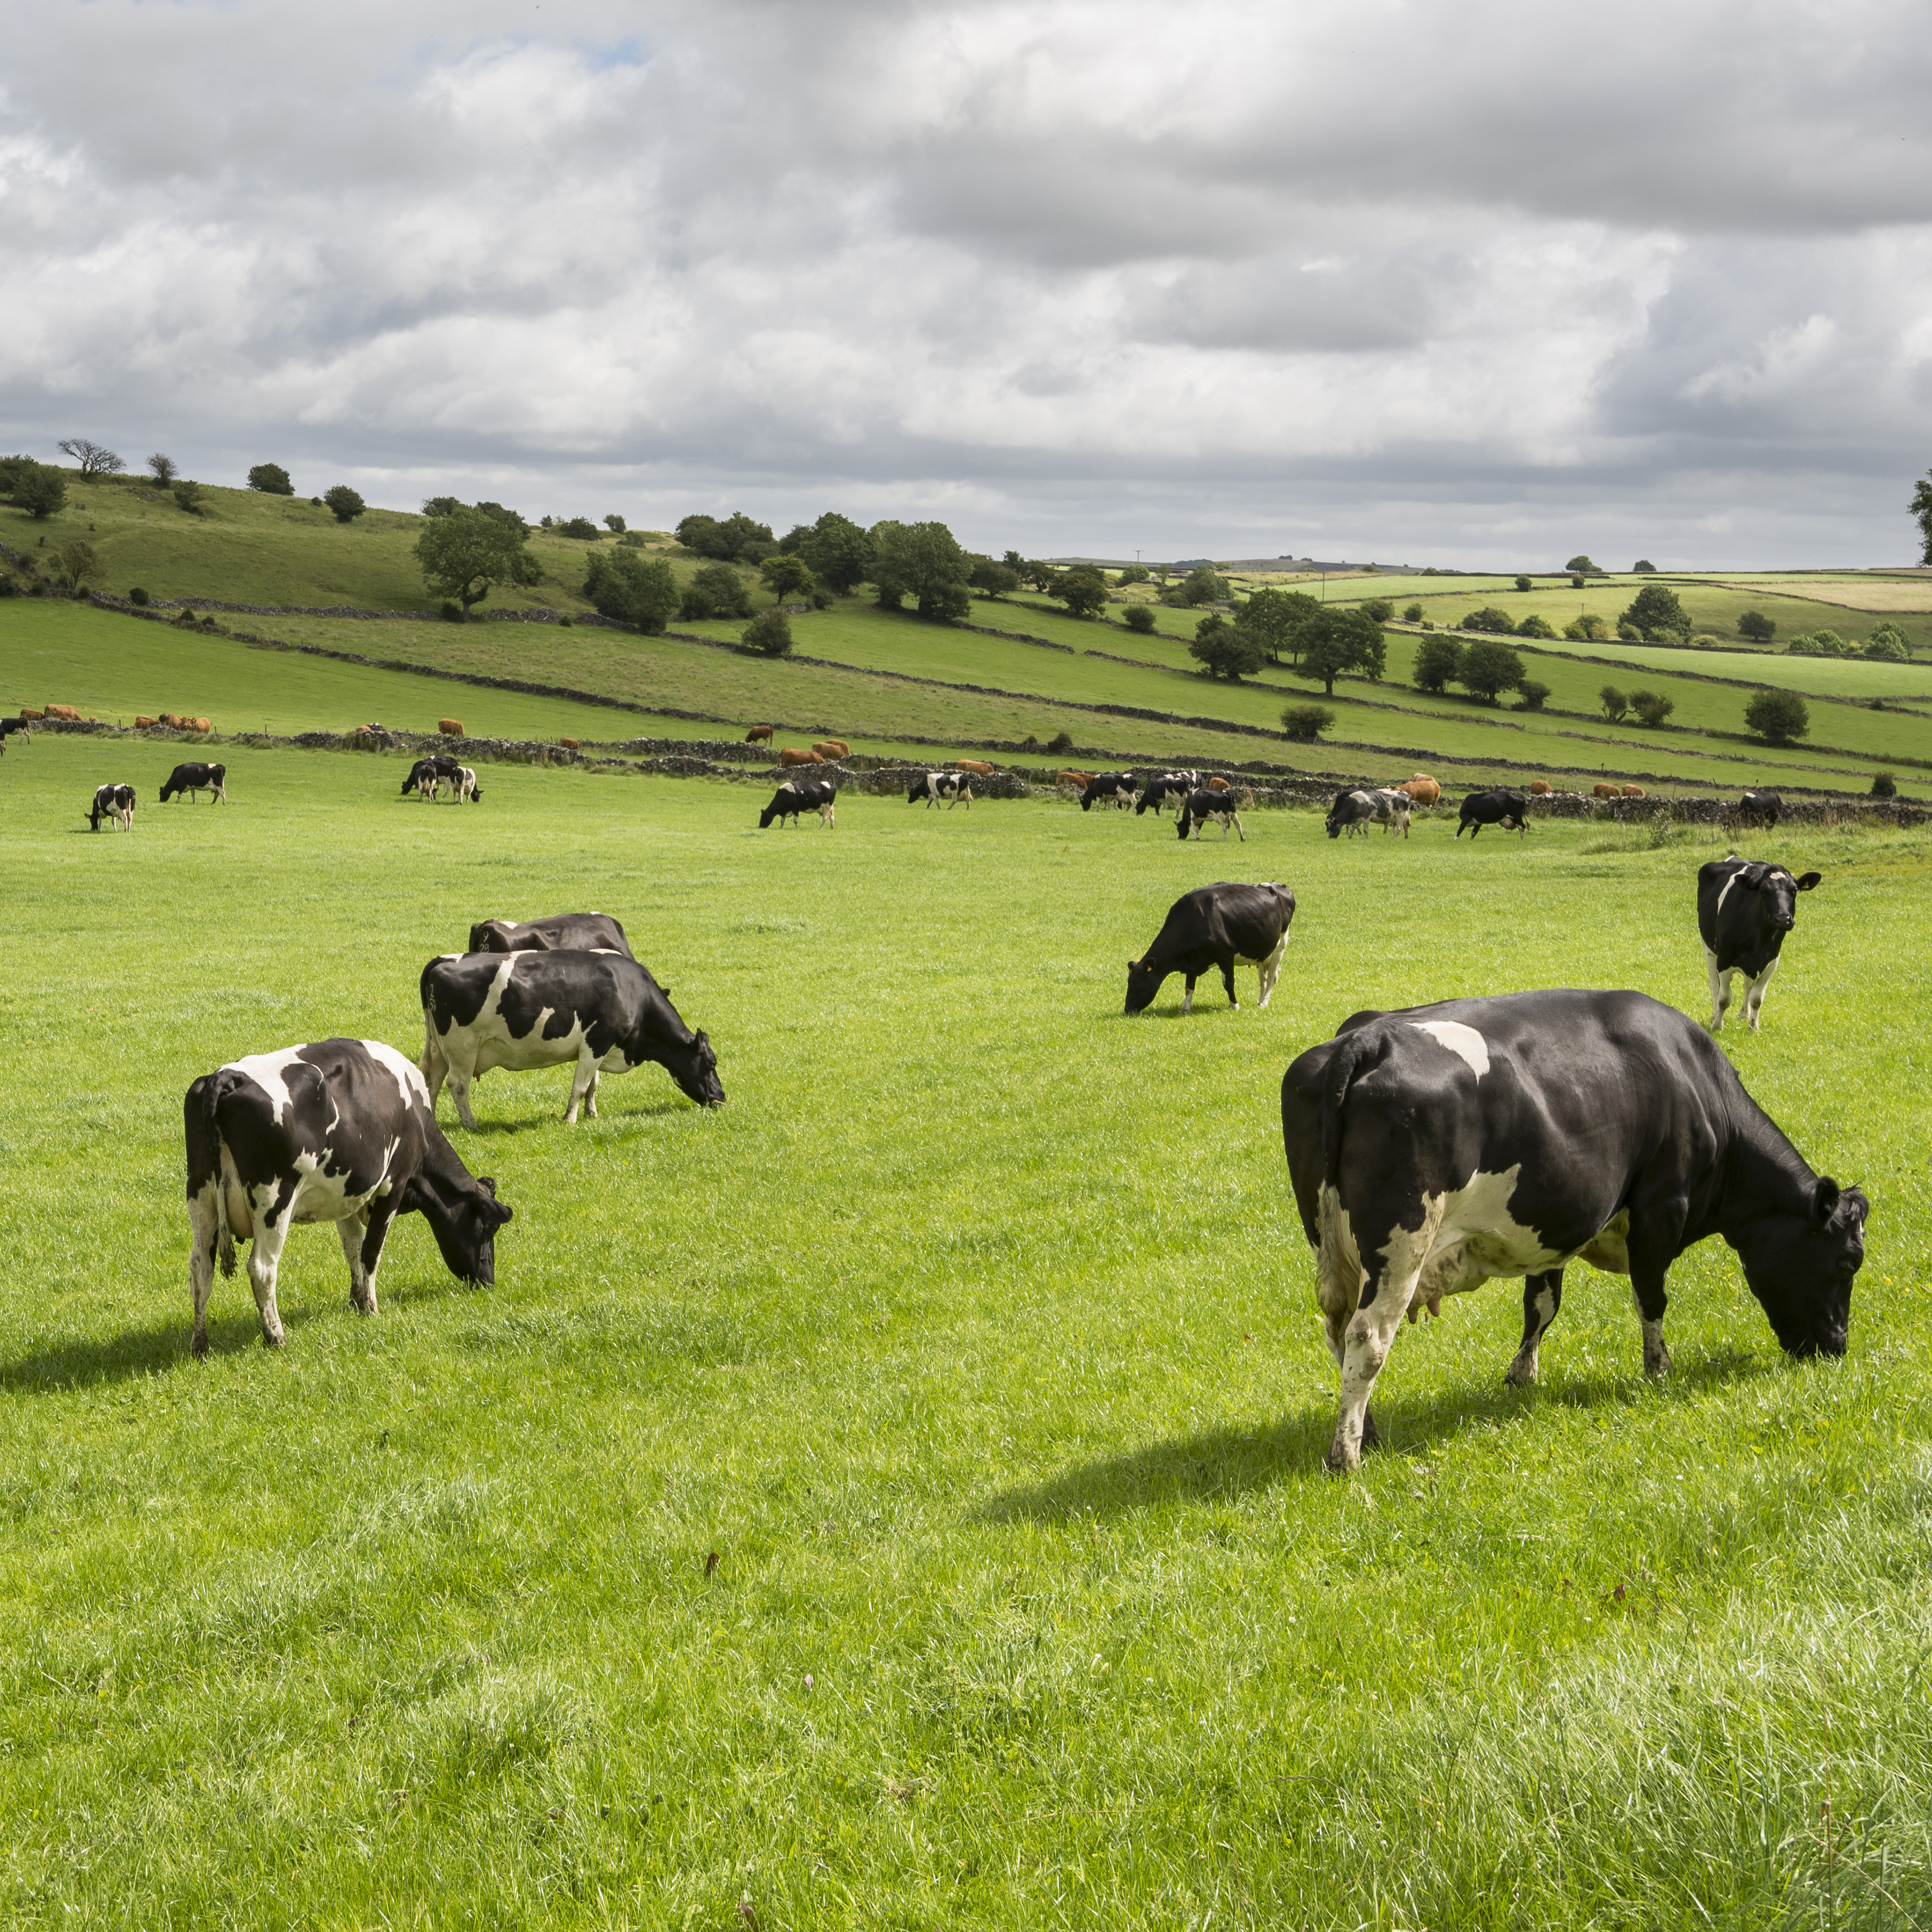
(1369, 1333)
(351, 1230)
(264, 1258)
(590, 1092)
(1720, 992)
(581, 1081)
(462, 1074)
(376, 1219)
(1187, 997)
(205, 1228)
(1227, 967)
(433, 1067)
(1754, 992)
(1271, 968)
(1542, 1297)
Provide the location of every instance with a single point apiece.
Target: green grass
(976, 1337)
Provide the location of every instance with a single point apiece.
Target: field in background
(1031, 1602)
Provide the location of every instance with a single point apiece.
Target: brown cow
(978, 767)
(1539, 788)
(200, 724)
(789, 756)
(1421, 792)
(1634, 791)
(758, 734)
(830, 749)
(450, 727)
(142, 723)
(66, 711)
(27, 711)
(1602, 789)
(1079, 781)
(1219, 785)
(568, 744)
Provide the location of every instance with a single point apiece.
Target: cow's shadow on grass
(615, 1118)
(1217, 1465)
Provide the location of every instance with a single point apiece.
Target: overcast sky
(1461, 282)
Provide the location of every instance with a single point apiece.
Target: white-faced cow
(1508, 809)
(1213, 926)
(342, 1130)
(116, 802)
(801, 795)
(1155, 792)
(562, 932)
(190, 779)
(1354, 812)
(601, 1011)
(1744, 911)
(1113, 788)
(1200, 806)
(1759, 808)
(952, 787)
(1432, 1149)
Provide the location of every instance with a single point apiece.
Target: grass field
(975, 1337)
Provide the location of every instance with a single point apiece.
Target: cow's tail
(204, 1159)
(1350, 1054)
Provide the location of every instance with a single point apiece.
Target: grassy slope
(1034, 1605)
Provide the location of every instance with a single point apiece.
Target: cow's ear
(1808, 880)
(665, 991)
(1751, 877)
(1824, 1199)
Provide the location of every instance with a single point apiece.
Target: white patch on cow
(1270, 966)
(1465, 1041)
(269, 1072)
(408, 1077)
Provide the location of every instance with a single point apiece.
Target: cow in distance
(1210, 927)
(1508, 809)
(1200, 806)
(1744, 912)
(561, 932)
(1113, 788)
(112, 801)
(798, 795)
(1155, 793)
(191, 780)
(1388, 806)
(1760, 808)
(952, 787)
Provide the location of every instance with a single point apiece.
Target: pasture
(974, 1340)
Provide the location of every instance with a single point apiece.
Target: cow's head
(1778, 893)
(694, 1067)
(1143, 982)
(464, 1223)
(1801, 1265)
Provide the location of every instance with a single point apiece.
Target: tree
(1588, 628)
(1655, 612)
(1536, 625)
(770, 632)
(1499, 623)
(1274, 618)
(1134, 573)
(616, 525)
(1083, 590)
(1778, 715)
(1139, 617)
(1756, 626)
(1887, 641)
(839, 553)
(1885, 784)
(1580, 566)
(1643, 567)
(271, 479)
(1437, 662)
(788, 577)
(434, 506)
(923, 562)
(164, 467)
(343, 503)
(1921, 514)
(74, 562)
(1650, 707)
(1303, 724)
(1335, 640)
(1614, 702)
(715, 590)
(581, 528)
(1224, 649)
(991, 579)
(1201, 586)
(464, 554)
(1534, 695)
(39, 488)
(632, 587)
(93, 458)
(1489, 669)
(738, 539)
(1523, 584)
(1380, 608)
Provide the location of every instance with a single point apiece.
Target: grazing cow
(1539, 788)
(758, 734)
(1200, 806)
(1508, 809)
(1433, 1148)
(1155, 792)
(1349, 811)
(191, 779)
(426, 774)
(1759, 808)
(831, 750)
(464, 786)
(1603, 788)
(1387, 806)
(1079, 781)
(787, 756)
(798, 795)
(933, 786)
(450, 727)
(978, 767)
(1113, 788)
(1214, 926)
(601, 1010)
(1423, 792)
(116, 802)
(1633, 791)
(68, 714)
(562, 932)
(1744, 911)
(342, 1130)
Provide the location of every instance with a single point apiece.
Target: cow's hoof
(1341, 1462)
(275, 1341)
(198, 1347)
(1520, 1374)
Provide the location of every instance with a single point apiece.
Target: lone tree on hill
(788, 577)
(1921, 514)
(615, 524)
(93, 459)
(1643, 567)
(1224, 649)
(632, 587)
(1335, 640)
(1489, 669)
(1655, 611)
(343, 503)
(164, 466)
(1756, 626)
(923, 562)
(1580, 566)
(465, 554)
(1083, 590)
(271, 479)
(1778, 715)
(1438, 662)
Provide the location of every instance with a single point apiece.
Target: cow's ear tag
(1808, 879)
(1825, 1199)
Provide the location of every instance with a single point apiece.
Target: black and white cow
(192, 778)
(1744, 911)
(1759, 808)
(1113, 788)
(463, 787)
(1508, 809)
(1354, 812)
(1432, 1149)
(601, 1010)
(1213, 926)
(1200, 806)
(952, 787)
(799, 795)
(1155, 792)
(426, 774)
(116, 802)
(341, 1130)
(563, 932)
(8, 726)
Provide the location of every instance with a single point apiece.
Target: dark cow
(1356, 810)
(562, 932)
(798, 795)
(426, 774)
(1155, 792)
(343, 1130)
(1214, 926)
(933, 786)
(1759, 808)
(601, 1010)
(189, 779)
(1433, 1148)
(1744, 911)
(116, 802)
(1508, 809)
(8, 726)
(1113, 788)
(1200, 806)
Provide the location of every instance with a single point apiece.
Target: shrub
(450, 612)
(439, 506)
(1061, 741)
(1614, 702)
(1303, 724)
(39, 489)
(1884, 785)
(1134, 573)
(1498, 623)
(1643, 567)
(992, 579)
(1139, 617)
(1523, 584)
(632, 587)
(164, 468)
(316, 501)
(1083, 592)
(1489, 669)
(1534, 695)
(1576, 583)
(1755, 626)
(769, 632)
(1628, 631)
(1438, 661)
(616, 525)
(344, 504)
(74, 563)
(271, 479)
(1888, 641)
(1778, 715)
(138, 595)
(1652, 706)
(1588, 628)
(1536, 625)
(1656, 613)
(717, 590)
(188, 497)
(1412, 613)
(1380, 608)
(580, 528)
